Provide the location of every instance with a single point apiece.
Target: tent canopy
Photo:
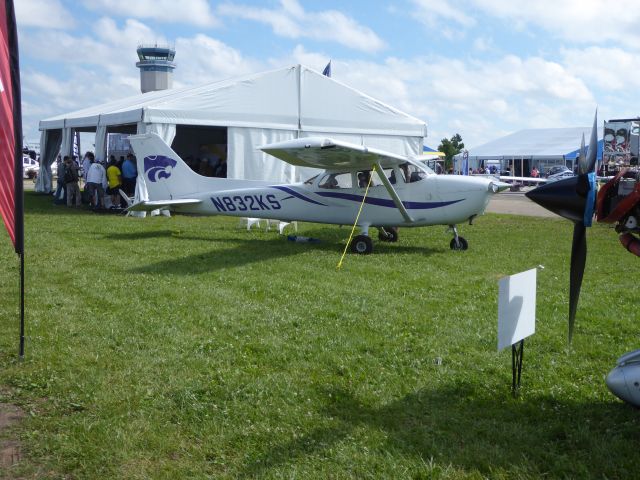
(540, 143)
(292, 98)
(240, 114)
(573, 155)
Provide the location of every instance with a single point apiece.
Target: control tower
(156, 67)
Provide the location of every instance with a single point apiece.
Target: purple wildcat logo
(158, 166)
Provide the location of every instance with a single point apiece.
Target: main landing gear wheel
(458, 244)
(388, 234)
(362, 245)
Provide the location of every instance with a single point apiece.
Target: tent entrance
(204, 149)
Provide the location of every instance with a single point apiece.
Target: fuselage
(430, 200)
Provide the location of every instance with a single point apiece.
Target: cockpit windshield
(336, 180)
(428, 169)
(311, 181)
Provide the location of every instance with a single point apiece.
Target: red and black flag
(11, 196)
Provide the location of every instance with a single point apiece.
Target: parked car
(30, 167)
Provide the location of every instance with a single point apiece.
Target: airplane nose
(617, 383)
(561, 197)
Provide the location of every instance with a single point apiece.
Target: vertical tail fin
(169, 179)
(165, 174)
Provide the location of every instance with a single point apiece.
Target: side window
(363, 177)
(411, 173)
(336, 180)
(388, 172)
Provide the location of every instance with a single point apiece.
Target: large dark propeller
(574, 199)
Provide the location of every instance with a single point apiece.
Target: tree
(450, 147)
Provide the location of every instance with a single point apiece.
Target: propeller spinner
(574, 198)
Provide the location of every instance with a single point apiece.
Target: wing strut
(393, 193)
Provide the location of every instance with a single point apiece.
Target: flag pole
(13, 61)
(21, 348)
(19, 182)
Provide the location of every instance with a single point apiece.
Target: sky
(480, 68)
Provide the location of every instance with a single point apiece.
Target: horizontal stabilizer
(147, 206)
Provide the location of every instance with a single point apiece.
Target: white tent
(524, 149)
(242, 113)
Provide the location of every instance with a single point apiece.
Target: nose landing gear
(388, 234)
(457, 242)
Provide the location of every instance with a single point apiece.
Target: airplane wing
(523, 179)
(329, 154)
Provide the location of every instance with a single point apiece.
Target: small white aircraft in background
(402, 192)
(556, 173)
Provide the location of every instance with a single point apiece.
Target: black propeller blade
(574, 199)
(578, 260)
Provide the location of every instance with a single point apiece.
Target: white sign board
(516, 308)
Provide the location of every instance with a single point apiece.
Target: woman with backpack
(71, 181)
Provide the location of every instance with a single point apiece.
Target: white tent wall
(245, 161)
(50, 142)
(167, 132)
(407, 146)
(546, 146)
(101, 143)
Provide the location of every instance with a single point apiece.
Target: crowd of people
(210, 162)
(101, 185)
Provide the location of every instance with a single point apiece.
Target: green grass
(189, 348)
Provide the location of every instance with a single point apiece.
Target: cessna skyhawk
(394, 190)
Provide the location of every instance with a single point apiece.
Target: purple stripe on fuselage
(383, 202)
(296, 194)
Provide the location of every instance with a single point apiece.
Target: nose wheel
(457, 242)
(388, 234)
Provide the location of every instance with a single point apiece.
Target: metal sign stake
(517, 351)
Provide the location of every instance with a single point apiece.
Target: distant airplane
(402, 191)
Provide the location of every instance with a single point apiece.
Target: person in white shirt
(86, 164)
(96, 182)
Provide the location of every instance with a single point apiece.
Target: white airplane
(402, 191)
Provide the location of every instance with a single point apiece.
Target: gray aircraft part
(624, 379)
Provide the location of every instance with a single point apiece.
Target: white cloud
(483, 44)
(107, 47)
(575, 21)
(206, 59)
(292, 21)
(480, 100)
(433, 13)
(610, 68)
(94, 68)
(193, 12)
(99, 67)
(43, 13)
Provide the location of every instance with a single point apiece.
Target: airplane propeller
(574, 199)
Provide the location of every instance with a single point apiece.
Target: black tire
(362, 245)
(388, 234)
(461, 245)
